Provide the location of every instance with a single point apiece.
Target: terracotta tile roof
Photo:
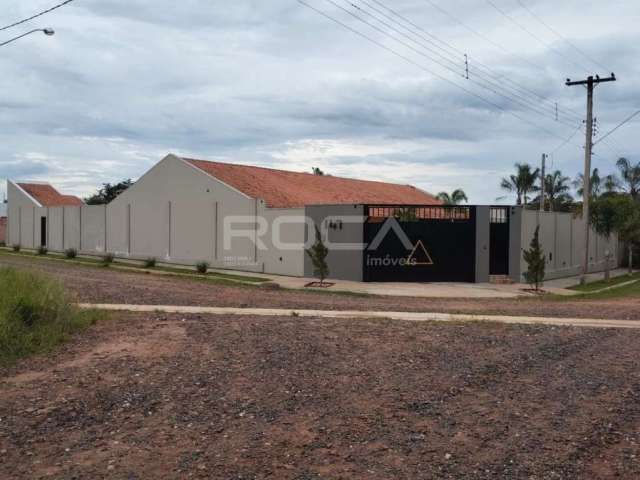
(284, 189)
(49, 196)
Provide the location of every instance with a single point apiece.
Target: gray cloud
(124, 82)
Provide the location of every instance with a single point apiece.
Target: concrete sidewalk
(352, 314)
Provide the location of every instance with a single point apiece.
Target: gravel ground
(173, 397)
(101, 285)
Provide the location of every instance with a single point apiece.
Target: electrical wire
(565, 142)
(559, 35)
(480, 35)
(618, 127)
(481, 70)
(534, 36)
(424, 68)
(492, 87)
(36, 15)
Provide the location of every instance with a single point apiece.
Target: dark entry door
(499, 241)
(43, 231)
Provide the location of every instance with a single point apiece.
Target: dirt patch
(292, 398)
(94, 285)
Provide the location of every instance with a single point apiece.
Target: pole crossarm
(591, 80)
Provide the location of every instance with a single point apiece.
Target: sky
(274, 83)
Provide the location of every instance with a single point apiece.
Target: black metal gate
(499, 241)
(420, 244)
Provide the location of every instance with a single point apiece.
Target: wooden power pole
(590, 83)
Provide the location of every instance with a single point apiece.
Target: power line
(422, 67)
(565, 142)
(612, 148)
(470, 63)
(533, 35)
(36, 15)
(619, 126)
(492, 85)
(559, 35)
(482, 36)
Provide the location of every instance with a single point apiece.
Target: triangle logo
(419, 255)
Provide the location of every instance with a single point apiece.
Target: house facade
(254, 219)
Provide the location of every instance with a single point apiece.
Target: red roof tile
(284, 189)
(48, 196)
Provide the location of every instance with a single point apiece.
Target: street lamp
(47, 31)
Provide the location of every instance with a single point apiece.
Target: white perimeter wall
(176, 214)
(562, 239)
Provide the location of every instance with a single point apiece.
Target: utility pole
(542, 182)
(590, 83)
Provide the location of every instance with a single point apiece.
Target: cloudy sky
(273, 83)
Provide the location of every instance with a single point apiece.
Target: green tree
(536, 262)
(523, 183)
(557, 192)
(318, 254)
(318, 172)
(406, 215)
(108, 192)
(629, 233)
(597, 182)
(618, 214)
(455, 198)
(630, 177)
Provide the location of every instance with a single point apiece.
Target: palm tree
(596, 183)
(556, 190)
(522, 183)
(455, 198)
(630, 177)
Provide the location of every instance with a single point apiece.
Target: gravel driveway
(173, 397)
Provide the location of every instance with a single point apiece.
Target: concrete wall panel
(55, 226)
(562, 238)
(279, 256)
(72, 228)
(93, 228)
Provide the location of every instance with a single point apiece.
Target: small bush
(71, 253)
(16, 248)
(150, 263)
(107, 259)
(42, 250)
(35, 315)
(202, 267)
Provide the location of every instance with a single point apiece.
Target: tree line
(525, 183)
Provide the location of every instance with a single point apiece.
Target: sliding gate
(419, 244)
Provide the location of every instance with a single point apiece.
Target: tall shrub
(536, 262)
(318, 254)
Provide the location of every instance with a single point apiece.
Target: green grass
(99, 262)
(627, 291)
(36, 315)
(600, 284)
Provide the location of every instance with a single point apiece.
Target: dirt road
(101, 285)
(172, 397)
